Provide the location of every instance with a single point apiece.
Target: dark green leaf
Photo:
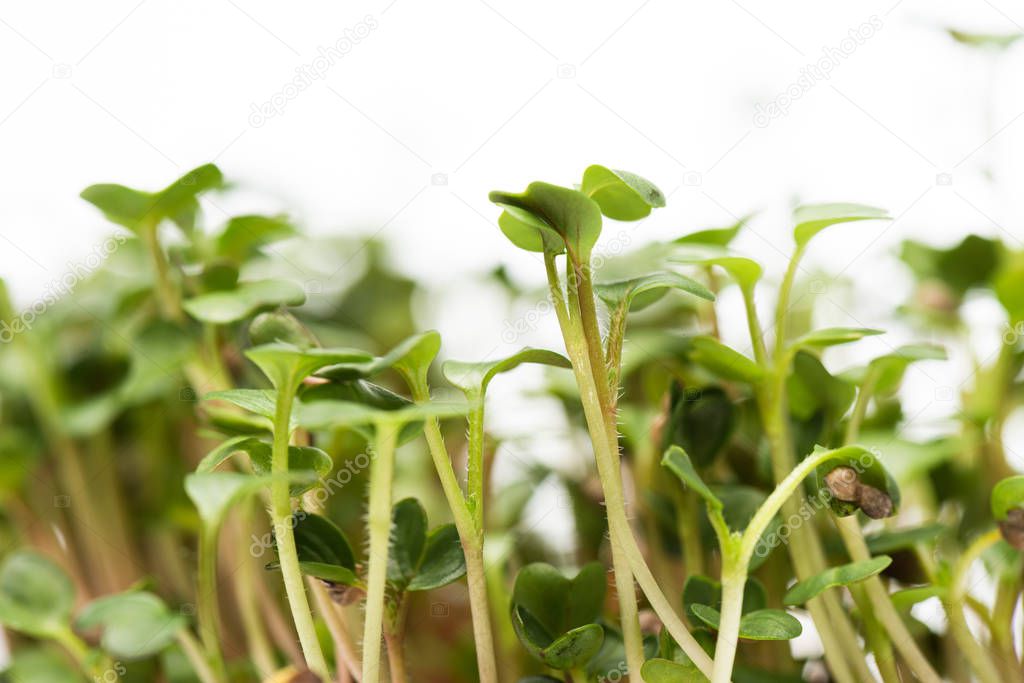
(443, 560)
(700, 422)
(319, 540)
(408, 538)
(244, 235)
(764, 624)
(571, 214)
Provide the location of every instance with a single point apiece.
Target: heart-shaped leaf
(36, 596)
(133, 208)
(135, 625)
(763, 624)
(811, 219)
(832, 336)
(412, 357)
(679, 463)
(622, 195)
(474, 378)
(286, 365)
(571, 214)
(640, 292)
(724, 361)
(843, 575)
(244, 300)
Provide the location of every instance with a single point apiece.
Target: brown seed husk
(844, 484)
(874, 503)
(1012, 528)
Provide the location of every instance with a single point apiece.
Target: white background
(438, 103)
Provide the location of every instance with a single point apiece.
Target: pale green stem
(470, 536)
(245, 588)
(627, 558)
(475, 461)
(194, 654)
(754, 327)
(207, 602)
(76, 647)
(972, 649)
(167, 294)
(379, 528)
(281, 515)
(733, 580)
(876, 637)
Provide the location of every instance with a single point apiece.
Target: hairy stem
(379, 523)
(281, 515)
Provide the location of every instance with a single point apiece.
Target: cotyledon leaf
(622, 195)
(843, 575)
(639, 292)
(811, 219)
(763, 624)
(473, 378)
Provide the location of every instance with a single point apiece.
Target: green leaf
(527, 232)
(1007, 495)
(300, 458)
(280, 326)
(812, 389)
(214, 493)
(843, 575)
(318, 539)
(263, 402)
(621, 195)
(703, 590)
(890, 368)
(286, 365)
(443, 560)
(870, 472)
(811, 219)
(135, 625)
(412, 357)
(679, 463)
(989, 41)
(764, 624)
(640, 292)
(715, 237)
(832, 336)
(408, 539)
(665, 671)
(973, 262)
(40, 665)
(904, 599)
(243, 236)
(36, 596)
(1008, 285)
(700, 422)
(892, 540)
(570, 650)
(474, 378)
(571, 214)
(133, 208)
(746, 272)
(740, 504)
(246, 299)
(725, 362)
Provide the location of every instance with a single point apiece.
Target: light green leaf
(411, 357)
(724, 361)
(843, 575)
(300, 458)
(665, 671)
(474, 378)
(745, 271)
(286, 365)
(214, 493)
(40, 665)
(678, 462)
(263, 402)
(36, 596)
(1008, 285)
(1007, 495)
(715, 237)
(811, 219)
(904, 599)
(989, 41)
(135, 625)
(243, 236)
(571, 214)
(890, 368)
(764, 624)
(246, 299)
(640, 292)
(621, 195)
(832, 336)
(892, 540)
